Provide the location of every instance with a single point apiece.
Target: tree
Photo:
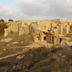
(10, 20)
(1, 20)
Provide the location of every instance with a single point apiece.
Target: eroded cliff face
(42, 31)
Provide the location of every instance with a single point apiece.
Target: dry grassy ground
(39, 60)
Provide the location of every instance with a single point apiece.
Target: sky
(35, 9)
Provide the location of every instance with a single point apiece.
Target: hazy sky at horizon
(35, 9)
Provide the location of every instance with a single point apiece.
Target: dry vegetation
(2, 27)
